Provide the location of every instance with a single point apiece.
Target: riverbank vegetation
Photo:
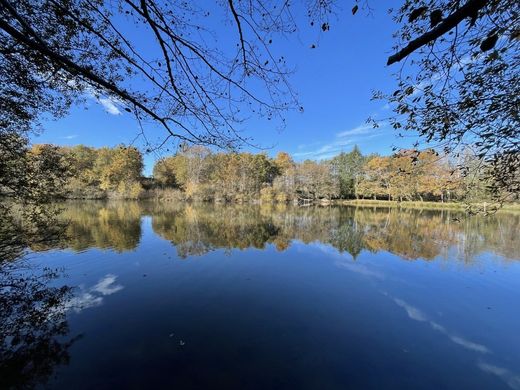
(407, 175)
(198, 174)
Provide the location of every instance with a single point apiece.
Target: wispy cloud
(109, 106)
(342, 139)
(325, 151)
(359, 130)
(71, 136)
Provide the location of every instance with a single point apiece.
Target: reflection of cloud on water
(512, 379)
(417, 315)
(93, 296)
(413, 312)
(360, 269)
(469, 344)
(106, 285)
(84, 300)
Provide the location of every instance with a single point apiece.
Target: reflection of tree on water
(33, 328)
(196, 229)
(32, 314)
(103, 225)
(410, 234)
(32, 320)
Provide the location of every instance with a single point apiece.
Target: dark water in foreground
(243, 297)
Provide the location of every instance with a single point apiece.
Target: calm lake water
(256, 297)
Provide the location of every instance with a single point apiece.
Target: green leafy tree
(348, 167)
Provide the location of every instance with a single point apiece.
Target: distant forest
(198, 174)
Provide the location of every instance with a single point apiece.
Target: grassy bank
(428, 205)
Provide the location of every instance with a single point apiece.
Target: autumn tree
(375, 180)
(314, 181)
(164, 172)
(283, 162)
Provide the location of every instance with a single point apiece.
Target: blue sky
(334, 82)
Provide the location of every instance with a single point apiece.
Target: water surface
(265, 297)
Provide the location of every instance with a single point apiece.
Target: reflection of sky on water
(260, 291)
(512, 379)
(417, 315)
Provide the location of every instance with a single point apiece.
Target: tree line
(425, 175)
(196, 173)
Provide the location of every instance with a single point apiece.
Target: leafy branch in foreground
(460, 89)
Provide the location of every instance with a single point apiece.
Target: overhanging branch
(470, 9)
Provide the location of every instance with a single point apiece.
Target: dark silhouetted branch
(470, 9)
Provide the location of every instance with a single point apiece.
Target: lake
(274, 297)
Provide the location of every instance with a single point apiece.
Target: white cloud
(108, 103)
(71, 136)
(109, 106)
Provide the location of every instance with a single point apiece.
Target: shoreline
(419, 205)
